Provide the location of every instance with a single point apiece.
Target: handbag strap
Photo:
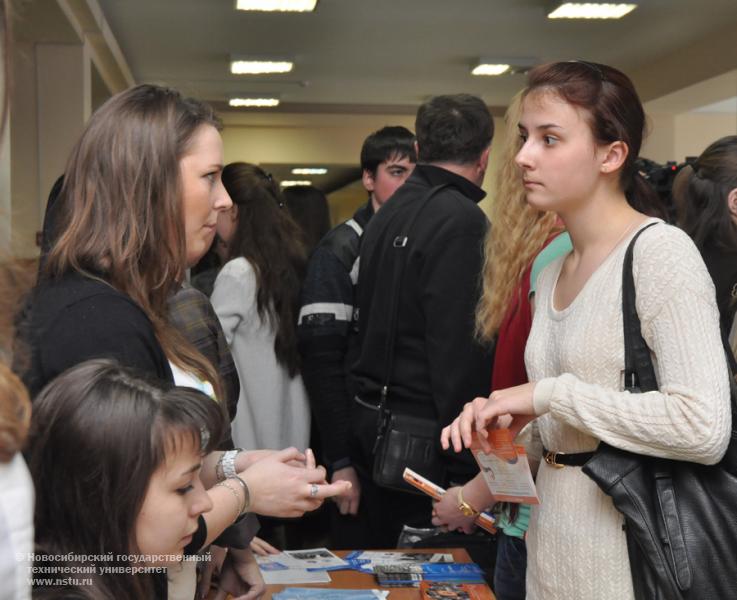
(639, 374)
(401, 245)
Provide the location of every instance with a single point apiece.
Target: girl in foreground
(130, 450)
(581, 128)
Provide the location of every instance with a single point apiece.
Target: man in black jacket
(437, 365)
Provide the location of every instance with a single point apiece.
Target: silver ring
(313, 490)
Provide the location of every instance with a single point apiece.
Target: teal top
(518, 527)
(559, 246)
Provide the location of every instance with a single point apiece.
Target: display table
(349, 579)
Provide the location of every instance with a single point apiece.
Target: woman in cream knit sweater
(581, 128)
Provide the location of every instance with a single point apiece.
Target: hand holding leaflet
(484, 520)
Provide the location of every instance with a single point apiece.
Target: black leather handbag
(404, 440)
(680, 517)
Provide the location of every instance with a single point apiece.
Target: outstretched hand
(511, 407)
(280, 489)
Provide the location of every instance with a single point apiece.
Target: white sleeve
(234, 296)
(689, 417)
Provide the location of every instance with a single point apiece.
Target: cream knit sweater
(576, 545)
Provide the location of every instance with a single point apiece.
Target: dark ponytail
(642, 197)
(704, 213)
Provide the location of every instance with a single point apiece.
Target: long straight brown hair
(120, 215)
(267, 236)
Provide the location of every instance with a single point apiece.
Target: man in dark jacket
(326, 316)
(437, 365)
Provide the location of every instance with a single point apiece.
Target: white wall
(695, 131)
(319, 138)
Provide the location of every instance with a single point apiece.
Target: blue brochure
(329, 594)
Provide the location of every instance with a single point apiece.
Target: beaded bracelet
(240, 506)
(246, 491)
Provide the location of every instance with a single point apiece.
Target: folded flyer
(283, 569)
(316, 559)
(485, 520)
(505, 470)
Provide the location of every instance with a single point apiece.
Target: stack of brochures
(411, 575)
(366, 561)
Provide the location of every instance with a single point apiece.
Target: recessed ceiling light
(290, 183)
(253, 102)
(245, 66)
(589, 10)
(309, 171)
(277, 5)
(490, 69)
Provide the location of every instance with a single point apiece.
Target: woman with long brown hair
(140, 201)
(256, 298)
(581, 128)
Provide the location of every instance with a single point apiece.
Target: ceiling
(387, 56)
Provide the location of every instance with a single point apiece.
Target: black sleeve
(101, 326)
(240, 533)
(324, 327)
(459, 366)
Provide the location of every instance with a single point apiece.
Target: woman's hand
(348, 502)
(248, 458)
(279, 489)
(240, 576)
(512, 407)
(445, 513)
(262, 548)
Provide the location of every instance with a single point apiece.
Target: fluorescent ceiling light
(259, 67)
(277, 5)
(590, 10)
(490, 69)
(309, 171)
(253, 102)
(289, 183)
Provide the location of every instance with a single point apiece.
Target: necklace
(627, 229)
(581, 273)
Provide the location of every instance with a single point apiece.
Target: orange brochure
(505, 470)
(443, 590)
(484, 520)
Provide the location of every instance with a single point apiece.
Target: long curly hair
(267, 236)
(516, 235)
